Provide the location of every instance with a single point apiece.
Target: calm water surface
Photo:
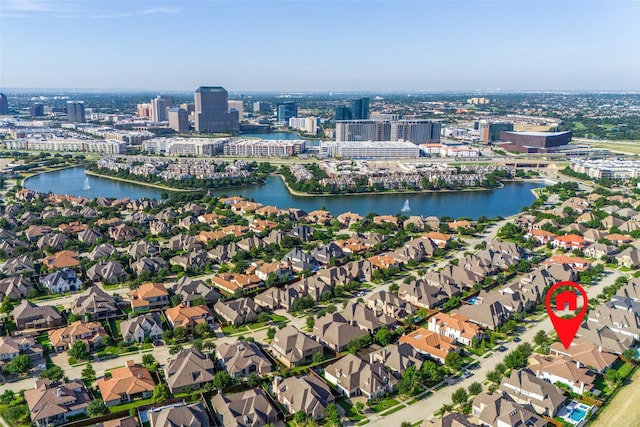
(504, 201)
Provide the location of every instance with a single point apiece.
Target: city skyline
(320, 46)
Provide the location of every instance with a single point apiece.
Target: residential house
(188, 369)
(455, 326)
(308, 394)
(128, 383)
(19, 266)
(598, 250)
(64, 280)
(397, 358)
(430, 344)
(242, 358)
(621, 315)
(190, 289)
(27, 315)
(192, 415)
(141, 249)
(541, 237)
(367, 319)
(452, 419)
(12, 347)
(102, 252)
(149, 296)
(629, 258)
(355, 377)
(276, 298)
(107, 272)
(333, 330)
(230, 282)
(90, 333)
(388, 303)
(527, 389)
(52, 242)
(96, 303)
(294, 348)
(138, 329)
(189, 316)
(325, 253)
(440, 239)
(276, 269)
(420, 293)
(90, 236)
(16, 288)
(55, 403)
(152, 265)
(586, 353)
(576, 263)
(563, 370)
(569, 242)
(192, 261)
(62, 259)
(124, 233)
(298, 260)
(500, 410)
(249, 408)
(238, 311)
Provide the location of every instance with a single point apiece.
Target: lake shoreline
(143, 184)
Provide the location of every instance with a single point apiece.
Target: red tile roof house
(542, 237)
(430, 344)
(455, 326)
(126, 384)
(569, 242)
(149, 296)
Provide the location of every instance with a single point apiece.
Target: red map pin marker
(566, 328)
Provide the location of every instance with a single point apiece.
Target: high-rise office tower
(342, 113)
(360, 109)
(75, 112)
(178, 119)
(261, 107)
(4, 105)
(143, 110)
(285, 111)
(212, 110)
(36, 110)
(159, 107)
(416, 131)
(355, 130)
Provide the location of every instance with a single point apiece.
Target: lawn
(384, 405)
(396, 409)
(349, 411)
(134, 404)
(232, 329)
(18, 406)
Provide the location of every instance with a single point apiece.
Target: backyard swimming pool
(474, 300)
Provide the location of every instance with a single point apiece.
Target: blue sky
(317, 45)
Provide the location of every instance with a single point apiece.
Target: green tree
(79, 350)
(203, 330)
(453, 360)
(253, 380)
(332, 415)
(540, 337)
(310, 322)
(475, 388)
(7, 397)
(6, 306)
(431, 372)
(222, 380)
(88, 375)
(161, 393)
(96, 408)
(148, 360)
(271, 332)
(630, 355)
(18, 365)
(359, 407)
(459, 396)
(180, 333)
(318, 357)
(55, 374)
(410, 382)
(383, 336)
(300, 417)
(197, 301)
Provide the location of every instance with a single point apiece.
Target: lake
(504, 201)
(272, 135)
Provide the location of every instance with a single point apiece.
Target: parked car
(517, 339)
(502, 348)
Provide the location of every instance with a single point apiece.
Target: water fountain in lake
(406, 207)
(86, 185)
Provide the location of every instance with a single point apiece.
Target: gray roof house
(527, 389)
(64, 280)
(191, 289)
(355, 377)
(292, 347)
(16, 287)
(250, 408)
(500, 410)
(242, 358)
(193, 415)
(308, 394)
(397, 357)
(107, 272)
(189, 368)
(333, 330)
(238, 311)
(27, 315)
(148, 325)
(97, 303)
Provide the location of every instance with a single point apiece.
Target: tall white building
(371, 149)
(306, 124)
(238, 106)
